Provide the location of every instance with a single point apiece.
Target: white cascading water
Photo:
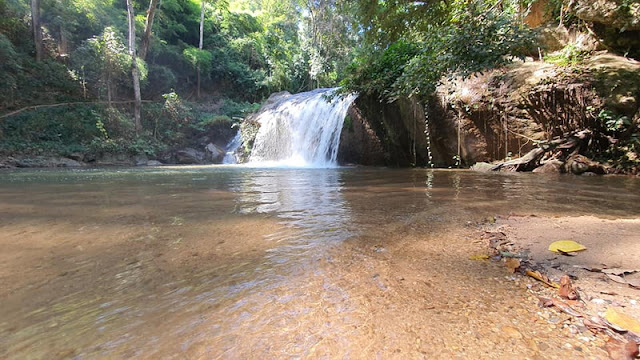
(230, 151)
(301, 130)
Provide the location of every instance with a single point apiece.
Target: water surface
(230, 262)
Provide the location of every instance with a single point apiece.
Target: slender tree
(200, 44)
(37, 28)
(146, 37)
(135, 73)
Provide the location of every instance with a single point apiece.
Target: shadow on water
(226, 261)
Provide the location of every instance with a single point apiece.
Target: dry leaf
(545, 280)
(622, 320)
(595, 323)
(589, 268)
(566, 308)
(566, 246)
(545, 302)
(618, 271)
(634, 283)
(566, 290)
(512, 264)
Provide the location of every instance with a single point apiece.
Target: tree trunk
(37, 28)
(146, 38)
(200, 44)
(134, 65)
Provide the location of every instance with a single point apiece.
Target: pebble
(554, 320)
(598, 301)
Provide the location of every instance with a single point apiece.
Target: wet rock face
(384, 134)
(190, 156)
(359, 143)
(214, 153)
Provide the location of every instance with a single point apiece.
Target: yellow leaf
(479, 257)
(622, 320)
(566, 246)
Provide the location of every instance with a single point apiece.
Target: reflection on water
(309, 200)
(226, 261)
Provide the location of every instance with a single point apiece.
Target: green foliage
(612, 122)
(248, 131)
(197, 57)
(236, 110)
(570, 55)
(453, 40)
(9, 67)
(34, 132)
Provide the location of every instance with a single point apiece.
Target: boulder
(66, 162)
(44, 162)
(32, 162)
(7, 163)
(550, 167)
(482, 166)
(140, 160)
(190, 156)
(214, 153)
(579, 164)
(619, 14)
(154, 163)
(77, 156)
(552, 38)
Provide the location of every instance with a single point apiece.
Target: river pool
(236, 262)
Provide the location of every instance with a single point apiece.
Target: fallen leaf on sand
(589, 268)
(561, 305)
(545, 302)
(621, 350)
(616, 278)
(622, 320)
(512, 264)
(542, 278)
(566, 246)
(618, 271)
(566, 308)
(566, 290)
(635, 283)
(595, 323)
(479, 257)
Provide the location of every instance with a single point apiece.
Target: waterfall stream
(301, 130)
(230, 151)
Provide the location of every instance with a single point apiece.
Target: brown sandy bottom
(601, 273)
(199, 273)
(425, 298)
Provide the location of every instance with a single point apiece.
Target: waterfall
(232, 146)
(427, 134)
(301, 130)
